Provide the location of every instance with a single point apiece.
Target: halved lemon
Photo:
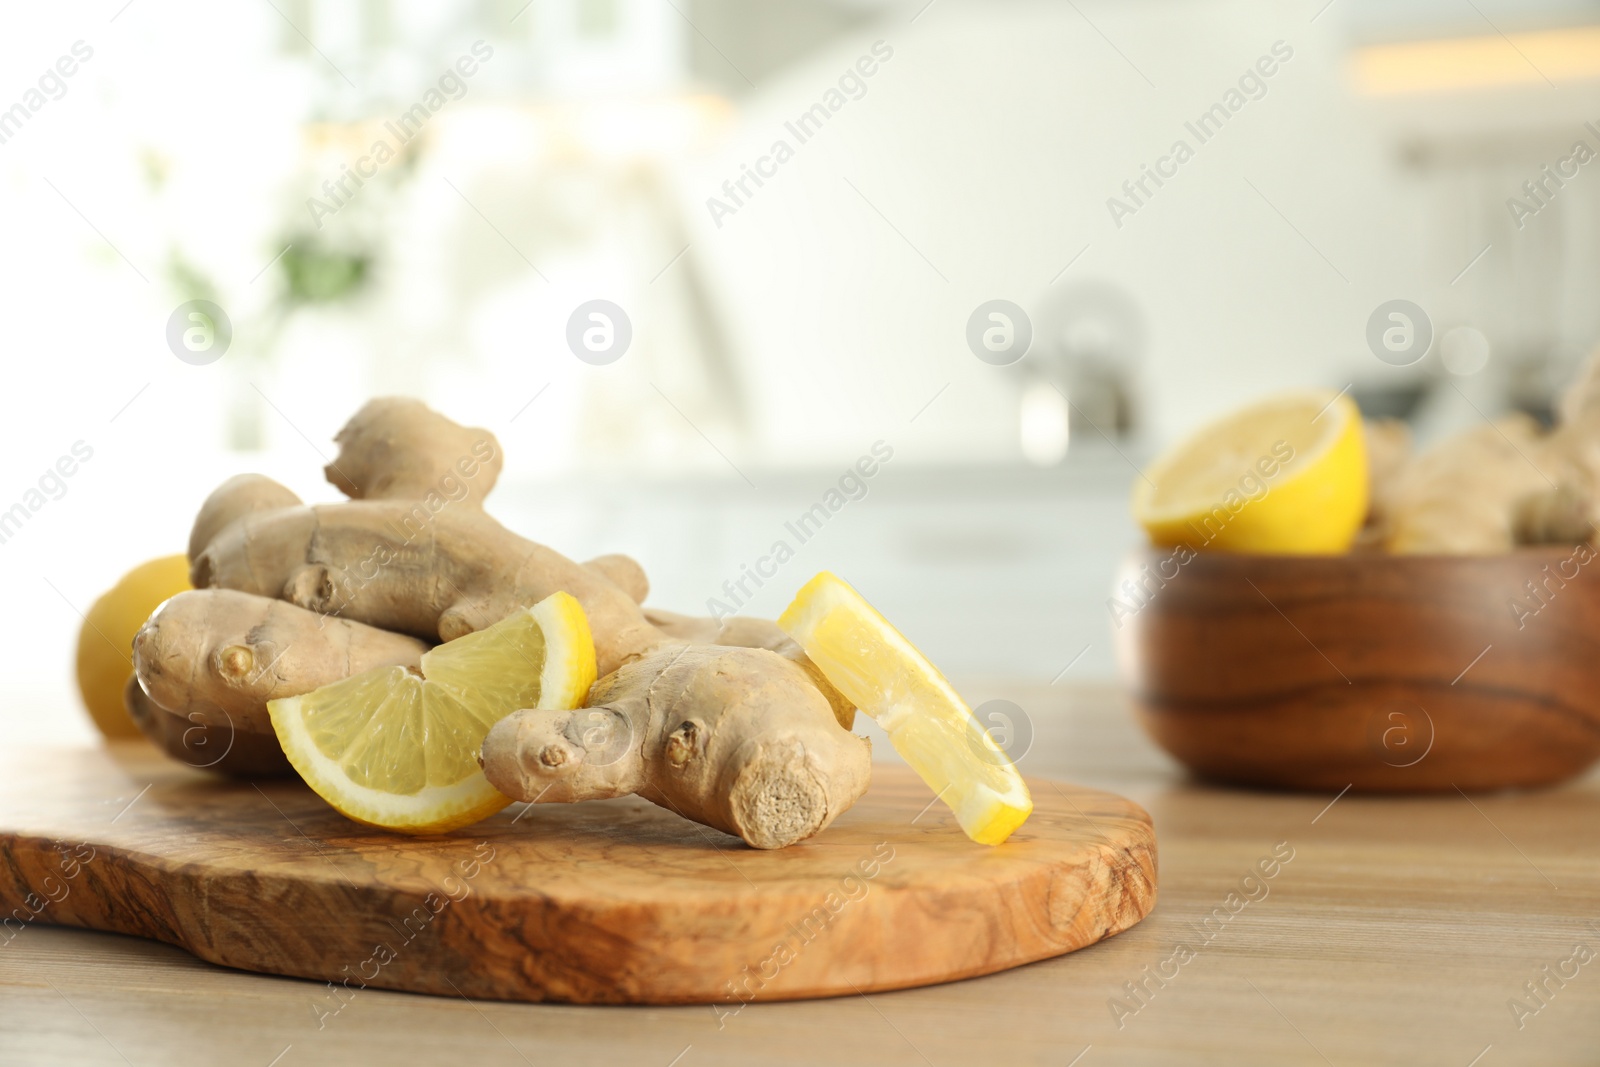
(1287, 475)
(397, 749)
(884, 675)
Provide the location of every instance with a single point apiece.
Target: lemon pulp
(884, 675)
(1287, 475)
(398, 748)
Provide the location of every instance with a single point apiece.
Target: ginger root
(218, 655)
(1496, 486)
(234, 499)
(1564, 515)
(743, 631)
(736, 738)
(1388, 443)
(204, 745)
(625, 573)
(396, 448)
(376, 562)
(290, 597)
(413, 551)
(1459, 497)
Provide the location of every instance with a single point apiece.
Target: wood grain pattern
(1401, 674)
(610, 902)
(1395, 937)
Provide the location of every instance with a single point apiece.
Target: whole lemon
(105, 642)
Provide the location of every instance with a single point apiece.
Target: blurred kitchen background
(777, 338)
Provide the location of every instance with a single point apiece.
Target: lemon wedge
(399, 750)
(884, 675)
(1287, 475)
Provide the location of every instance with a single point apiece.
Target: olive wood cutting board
(604, 902)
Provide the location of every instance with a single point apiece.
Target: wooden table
(1399, 932)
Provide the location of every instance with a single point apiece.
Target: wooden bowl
(1384, 673)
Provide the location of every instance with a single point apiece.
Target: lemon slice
(1287, 475)
(884, 675)
(397, 749)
